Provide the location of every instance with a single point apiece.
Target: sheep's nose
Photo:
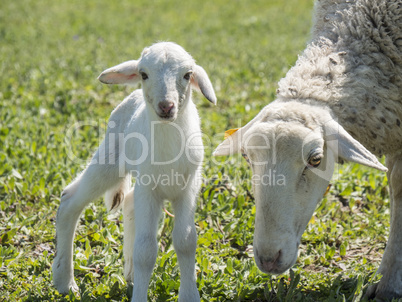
(166, 106)
(272, 264)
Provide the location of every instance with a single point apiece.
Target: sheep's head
(292, 149)
(167, 73)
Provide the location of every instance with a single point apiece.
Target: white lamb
(155, 135)
(341, 101)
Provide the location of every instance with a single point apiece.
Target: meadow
(53, 113)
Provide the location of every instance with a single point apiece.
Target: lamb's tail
(115, 196)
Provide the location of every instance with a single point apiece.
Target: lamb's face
(291, 171)
(166, 71)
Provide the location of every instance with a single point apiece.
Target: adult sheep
(342, 101)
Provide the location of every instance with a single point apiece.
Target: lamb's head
(167, 73)
(292, 149)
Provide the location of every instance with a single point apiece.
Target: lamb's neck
(187, 114)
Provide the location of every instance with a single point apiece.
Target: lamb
(154, 132)
(342, 101)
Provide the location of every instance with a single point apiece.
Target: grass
(50, 55)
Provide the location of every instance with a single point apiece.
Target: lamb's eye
(144, 76)
(314, 161)
(187, 76)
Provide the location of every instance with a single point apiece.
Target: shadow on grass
(291, 290)
(279, 290)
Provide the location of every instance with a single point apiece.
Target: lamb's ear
(345, 147)
(201, 82)
(124, 73)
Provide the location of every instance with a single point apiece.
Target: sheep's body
(354, 66)
(342, 98)
(155, 136)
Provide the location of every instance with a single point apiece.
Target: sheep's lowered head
(292, 149)
(167, 73)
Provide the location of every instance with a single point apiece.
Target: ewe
(341, 101)
(155, 135)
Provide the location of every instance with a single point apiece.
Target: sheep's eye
(144, 76)
(187, 76)
(314, 161)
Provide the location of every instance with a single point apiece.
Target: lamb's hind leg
(129, 236)
(390, 285)
(91, 184)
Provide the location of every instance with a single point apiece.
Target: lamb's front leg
(390, 285)
(185, 244)
(146, 217)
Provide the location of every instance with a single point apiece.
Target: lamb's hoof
(129, 271)
(379, 293)
(70, 288)
(64, 288)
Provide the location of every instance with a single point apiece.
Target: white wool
(342, 101)
(155, 136)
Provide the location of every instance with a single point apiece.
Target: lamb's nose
(166, 106)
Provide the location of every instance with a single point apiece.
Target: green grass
(50, 55)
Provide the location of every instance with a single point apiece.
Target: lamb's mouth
(166, 117)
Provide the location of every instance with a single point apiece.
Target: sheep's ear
(233, 139)
(231, 144)
(346, 148)
(201, 82)
(124, 73)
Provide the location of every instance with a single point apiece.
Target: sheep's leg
(185, 243)
(390, 285)
(129, 236)
(91, 184)
(146, 217)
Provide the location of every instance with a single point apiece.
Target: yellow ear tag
(327, 190)
(230, 132)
